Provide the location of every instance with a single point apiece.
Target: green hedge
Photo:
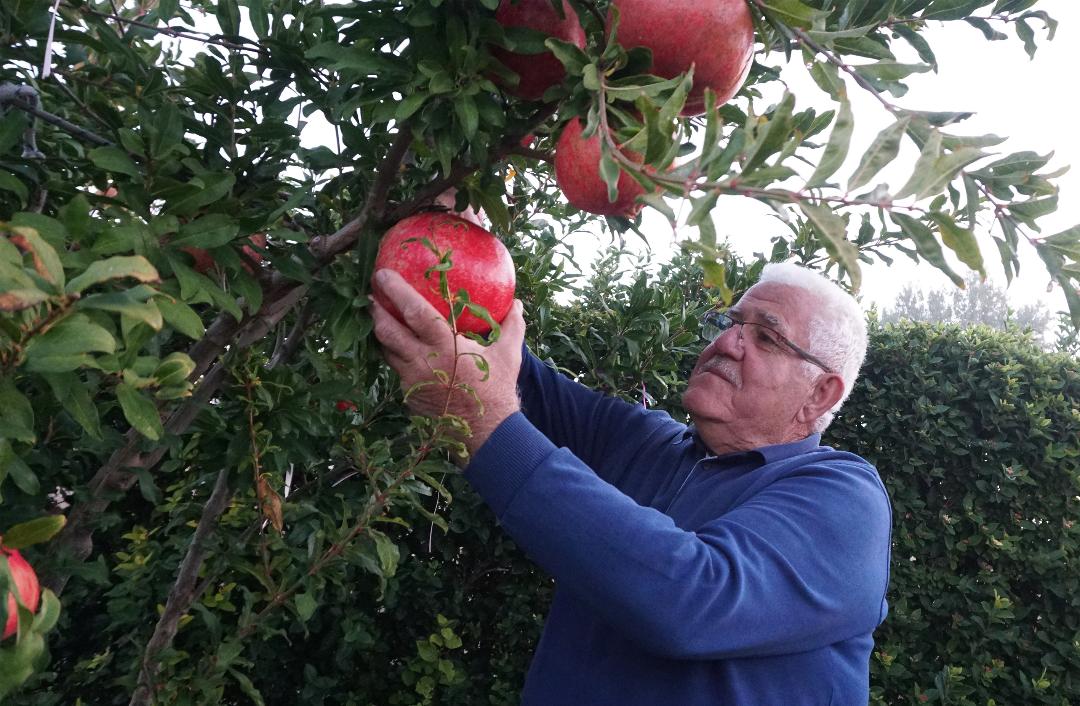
(976, 436)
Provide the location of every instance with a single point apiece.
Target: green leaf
(36, 531)
(125, 303)
(926, 244)
(72, 393)
(45, 260)
(409, 105)
(10, 182)
(468, 116)
(951, 9)
(12, 465)
(140, 411)
(16, 413)
(837, 149)
(961, 241)
(257, 17)
(569, 54)
(174, 369)
(359, 59)
(135, 266)
(920, 45)
(388, 553)
(794, 14)
(890, 70)
(882, 151)
(202, 191)
(114, 159)
(64, 347)
(834, 231)
(247, 687)
(991, 34)
(210, 231)
(305, 605)
(19, 299)
(609, 171)
(228, 17)
(48, 612)
(826, 76)
(1027, 36)
(1029, 211)
(773, 136)
(181, 317)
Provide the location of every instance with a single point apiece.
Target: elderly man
(734, 562)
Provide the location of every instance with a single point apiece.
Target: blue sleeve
(801, 565)
(605, 432)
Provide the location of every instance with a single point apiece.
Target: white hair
(837, 329)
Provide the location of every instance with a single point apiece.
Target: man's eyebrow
(773, 320)
(761, 317)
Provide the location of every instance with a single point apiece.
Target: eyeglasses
(715, 322)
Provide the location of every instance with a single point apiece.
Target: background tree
(186, 368)
(980, 302)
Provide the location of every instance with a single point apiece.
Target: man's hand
(424, 345)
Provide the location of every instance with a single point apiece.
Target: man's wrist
(483, 426)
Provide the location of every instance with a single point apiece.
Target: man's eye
(766, 337)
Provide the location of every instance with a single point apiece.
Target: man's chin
(699, 401)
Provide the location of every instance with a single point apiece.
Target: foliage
(976, 436)
(978, 303)
(234, 534)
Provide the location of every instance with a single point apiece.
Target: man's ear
(826, 392)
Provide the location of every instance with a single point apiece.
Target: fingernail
(380, 276)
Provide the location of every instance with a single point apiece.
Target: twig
(325, 248)
(459, 170)
(289, 345)
(174, 32)
(25, 99)
(542, 155)
(182, 593)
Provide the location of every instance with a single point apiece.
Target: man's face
(744, 391)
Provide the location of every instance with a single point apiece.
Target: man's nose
(730, 342)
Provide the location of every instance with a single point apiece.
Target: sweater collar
(766, 454)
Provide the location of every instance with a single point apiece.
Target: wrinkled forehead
(786, 308)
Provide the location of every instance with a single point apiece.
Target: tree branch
(182, 593)
(26, 99)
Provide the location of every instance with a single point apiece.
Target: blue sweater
(684, 578)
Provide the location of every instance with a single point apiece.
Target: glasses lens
(713, 324)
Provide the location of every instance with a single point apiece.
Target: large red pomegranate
(26, 586)
(715, 36)
(480, 264)
(577, 172)
(538, 72)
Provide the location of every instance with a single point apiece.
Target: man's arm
(602, 430)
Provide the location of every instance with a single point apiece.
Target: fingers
(513, 326)
(419, 315)
(395, 337)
